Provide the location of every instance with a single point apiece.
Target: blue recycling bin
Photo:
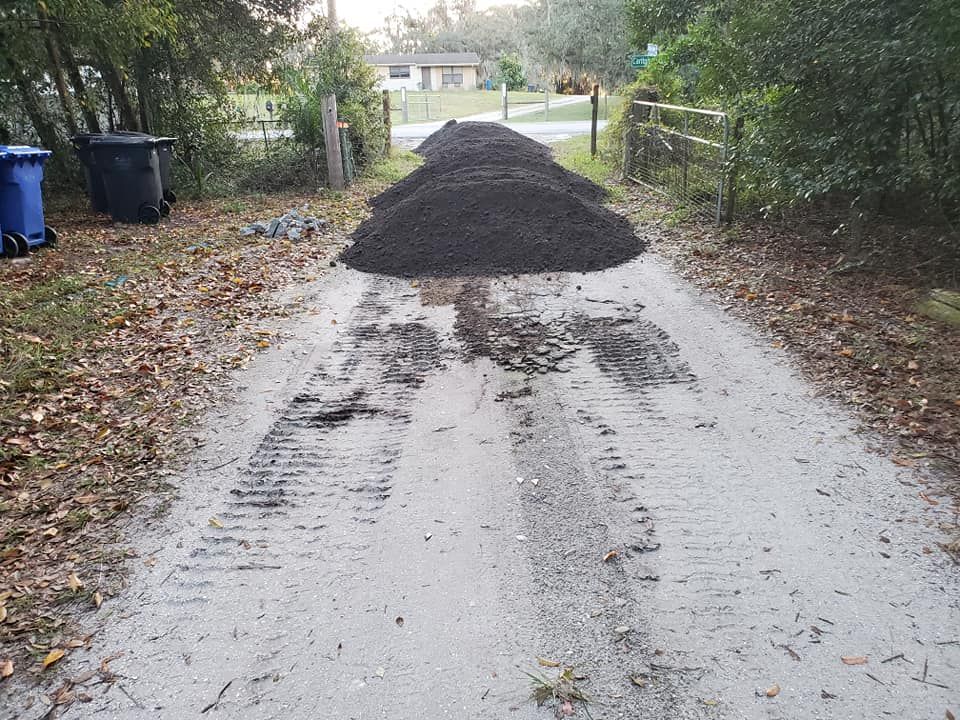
(21, 199)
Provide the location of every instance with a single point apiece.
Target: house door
(425, 75)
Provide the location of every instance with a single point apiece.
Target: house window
(452, 76)
(399, 71)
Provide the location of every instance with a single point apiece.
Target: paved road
(542, 131)
(380, 556)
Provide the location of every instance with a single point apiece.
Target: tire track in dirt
(589, 569)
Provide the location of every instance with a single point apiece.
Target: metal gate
(681, 152)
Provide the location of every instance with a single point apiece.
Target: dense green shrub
(842, 98)
(337, 67)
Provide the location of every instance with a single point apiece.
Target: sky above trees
(368, 15)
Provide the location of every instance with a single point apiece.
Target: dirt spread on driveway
(489, 201)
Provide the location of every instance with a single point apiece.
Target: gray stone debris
(291, 225)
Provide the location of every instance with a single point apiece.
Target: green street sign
(640, 61)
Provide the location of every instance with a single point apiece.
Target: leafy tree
(337, 68)
(510, 71)
(841, 98)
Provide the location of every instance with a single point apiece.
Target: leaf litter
(109, 345)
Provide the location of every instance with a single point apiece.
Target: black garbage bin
(130, 165)
(165, 153)
(91, 171)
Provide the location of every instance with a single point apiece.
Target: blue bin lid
(23, 152)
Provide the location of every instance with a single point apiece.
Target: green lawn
(577, 111)
(448, 104)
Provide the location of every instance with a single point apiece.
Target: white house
(427, 71)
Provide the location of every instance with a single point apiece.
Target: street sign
(638, 61)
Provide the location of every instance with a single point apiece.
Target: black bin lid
(125, 140)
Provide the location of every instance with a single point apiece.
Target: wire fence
(683, 153)
(264, 132)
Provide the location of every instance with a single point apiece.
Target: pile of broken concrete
(292, 225)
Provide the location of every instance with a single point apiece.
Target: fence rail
(682, 152)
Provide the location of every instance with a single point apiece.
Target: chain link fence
(683, 153)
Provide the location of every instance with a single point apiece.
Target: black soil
(489, 201)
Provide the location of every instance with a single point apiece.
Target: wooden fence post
(503, 99)
(331, 142)
(595, 101)
(734, 160)
(404, 108)
(386, 119)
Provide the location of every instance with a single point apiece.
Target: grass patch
(394, 167)
(45, 326)
(574, 155)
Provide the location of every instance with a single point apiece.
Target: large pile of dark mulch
(489, 201)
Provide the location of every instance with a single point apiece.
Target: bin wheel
(50, 236)
(23, 246)
(164, 208)
(170, 196)
(9, 247)
(148, 215)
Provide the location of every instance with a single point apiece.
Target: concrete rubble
(292, 225)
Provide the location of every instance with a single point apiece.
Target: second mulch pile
(489, 201)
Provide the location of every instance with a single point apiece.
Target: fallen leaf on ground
(215, 522)
(74, 582)
(611, 555)
(547, 663)
(854, 659)
(6, 668)
(97, 598)
(773, 690)
(52, 657)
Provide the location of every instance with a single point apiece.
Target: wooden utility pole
(331, 142)
(595, 101)
(332, 18)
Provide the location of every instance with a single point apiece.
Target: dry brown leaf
(214, 522)
(6, 668)
(949, 716)
(611, 555)
(854, 659)
(846, 352)
(547, 663)
(639, 680)
(52, 657)
(773, 690)
(3, 613)
(97, 598)
(74, 582)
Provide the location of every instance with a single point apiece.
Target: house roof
(464, 58)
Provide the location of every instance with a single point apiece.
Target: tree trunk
(143, 94)
(46, 130)
(128, 117)
(87, 109)
(56, 72)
